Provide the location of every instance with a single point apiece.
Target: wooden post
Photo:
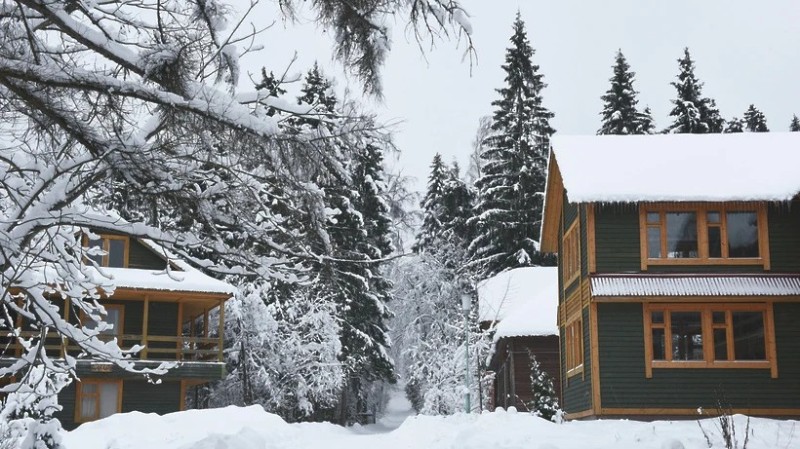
(205, 323)
(221, 328)
(145, 324)
(179, 342)
(64, 340)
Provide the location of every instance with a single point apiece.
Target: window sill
(575, 371)
(742, 364)
(699, 261)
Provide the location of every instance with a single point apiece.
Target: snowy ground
(252, 428)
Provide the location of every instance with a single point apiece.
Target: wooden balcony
(180, 348)
(170, 327)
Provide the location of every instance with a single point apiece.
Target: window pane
(748, 336)
(654, 243)
(713, 217)
(657, 317)
(714, 241)
(659, 351)
(653, 217)
(687, 336)
(89, 407)
(113, 317)
(116, 253)
(719, 317)
(98, 259)
(108, 399)
(720, 344)
(742, 234)
(681, 234)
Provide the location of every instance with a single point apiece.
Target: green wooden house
(679, 273)
(177, 317)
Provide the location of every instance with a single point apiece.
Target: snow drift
(253, 428)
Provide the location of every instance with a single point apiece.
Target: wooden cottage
(177, 317)
(520, 305)
(679, 273)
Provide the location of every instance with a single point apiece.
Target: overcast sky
(745, 52)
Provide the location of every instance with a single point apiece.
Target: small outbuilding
(519, 306)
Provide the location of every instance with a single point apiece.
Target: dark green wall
(577, 390)
(784, 236)
(162, 320)
(618, 250)
(616, 231)
(139, 256)
(622, 368)
(137, 395)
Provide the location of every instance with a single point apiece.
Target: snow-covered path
(253, 428)
(397, 411)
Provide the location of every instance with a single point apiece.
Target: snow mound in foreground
(253, 428)
(221, 428)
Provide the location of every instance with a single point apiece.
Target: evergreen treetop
(509, 209)
(646, 123)
(692, 112)
(735, 125)
(754, 120)
(619, 115)
(431, 205)
(794, 126)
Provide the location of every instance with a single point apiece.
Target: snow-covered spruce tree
(646, 123)
(734, 125)
(511, 186)
(794, 126)
(356, 236)
(72, 127)
(692, 112)
(620, 115)
(754, 120)
(446, 209)
(458, 204)
(431, 227)
(545, 400)
(348, 226)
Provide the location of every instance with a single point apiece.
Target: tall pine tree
(619, 115)
(692, 112)
(511, 186)
(356, 226)
(431, 204)
(794, 126)
(754, 120)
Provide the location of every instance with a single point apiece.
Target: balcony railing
(156, 347)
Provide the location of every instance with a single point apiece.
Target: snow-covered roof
(679, 167)
(677, 285)
(190, 280)
(524, 301)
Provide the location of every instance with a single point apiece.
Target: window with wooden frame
(115, 315)
(709, 336)
(574, 347)
(97, 399)
(116, 249)
(571, 252)
(704, 234)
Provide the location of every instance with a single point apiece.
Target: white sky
(745, 52)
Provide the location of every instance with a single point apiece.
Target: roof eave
(553, 204)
